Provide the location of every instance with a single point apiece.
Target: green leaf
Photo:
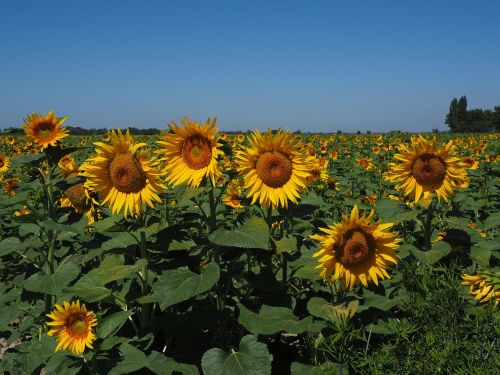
(319, 307)
(301, 369)
(271, 320)
(252, 234)
(492, 221)
(10, 245)
(52, 284)
(123, 240)
(174, 286)
(112, 323)
(105, 225)
(112, 268)
(162, 365)
(62, 364)
(482, 250)
(252, 359)
(133, 360)
(438, 250)
(378, 301)
(286, 245)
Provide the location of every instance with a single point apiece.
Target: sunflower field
(201, 252)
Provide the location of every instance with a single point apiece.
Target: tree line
(461, 120)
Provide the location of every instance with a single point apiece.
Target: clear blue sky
(309, 65)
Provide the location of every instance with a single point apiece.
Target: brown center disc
(76, 325)
(429, 170)
(77, 197)
(274, 168)
(355, 248)
(197, 152)
(44, 130)
(126, 174)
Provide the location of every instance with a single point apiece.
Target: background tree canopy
(460, 120)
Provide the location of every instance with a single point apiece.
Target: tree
(452, 116)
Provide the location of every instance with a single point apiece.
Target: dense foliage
(207, 282)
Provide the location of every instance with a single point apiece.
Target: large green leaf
(52, 283)
(162, 365)
(174, 286)
(302, 369)
(123, 240)
(271, 320)
(133, 360)
(112, 323)
(252, 359)
(481, 251)
(112, 268)
(286, 245)
(252, 234)
(438, 250)
(10, 245)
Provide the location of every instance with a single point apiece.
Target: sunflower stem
(428, 226)
(51, 237)
(284, 265)
(145, 279)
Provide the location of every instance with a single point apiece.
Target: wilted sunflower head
(77, 197)
(45, 129)
(4, 163)
(190, 152)
(273, 168)
(72, 325)
(10, 186)
(424, 169)
(356, 250)
(123, 177)
(483, 286)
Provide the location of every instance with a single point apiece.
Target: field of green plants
(199, 252)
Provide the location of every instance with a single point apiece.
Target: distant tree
(451, 117)
(435, 130)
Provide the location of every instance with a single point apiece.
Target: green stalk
(284, 266)
(428, 226)
(51, 237)
(145, 279)
(212, 224)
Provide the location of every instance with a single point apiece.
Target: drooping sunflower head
(45, 129)
(68, 167)
(274, 168)
(483, 286)
(123, 177)
(72, 325)
(4, 163)
(356, 250)
(424, 169)
(10, 185)
(76, 197)
(189, 153)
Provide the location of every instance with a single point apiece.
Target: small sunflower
(319, 170)
(45, 129)
(4, 163)
(10, 140)
(10, 185)
(365, 163)
(356, 250)
(68, 167)
(274, 168)
(483, 287)
(123, 177)
(232, 196)
(72, 325)
(190, 153)
(424, 169)
(470, 163)
(78, 198)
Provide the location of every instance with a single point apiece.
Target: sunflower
(68, 167)
(78, 198)
(356, 250)
(45, 130)
(233, 194)
(274, 168)
(123, 177)
(424, 169)
(10, 186)
(365, 163)
(483, 286)
(4, 163)
(470, 163)
(319, 170)
(190, 152)
(73, 327)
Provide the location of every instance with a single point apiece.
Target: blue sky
(308, 65)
